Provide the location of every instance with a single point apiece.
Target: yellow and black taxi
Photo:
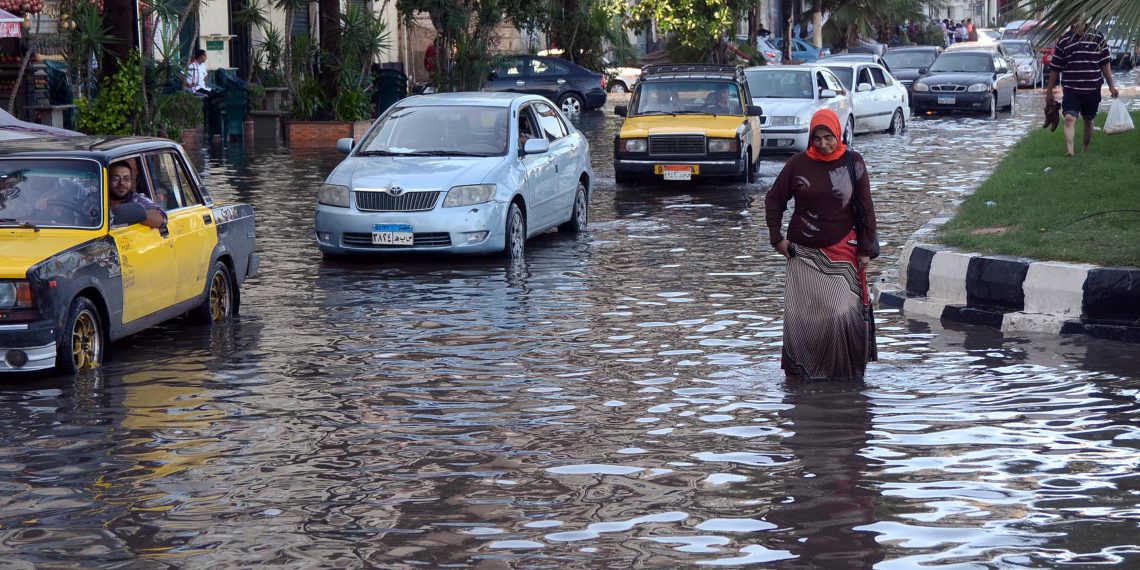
(77, 273)
(686, 122)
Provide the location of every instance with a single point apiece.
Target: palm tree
(1116, 18)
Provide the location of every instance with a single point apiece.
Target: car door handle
(206, 218)
(520, 83)
(561, 81)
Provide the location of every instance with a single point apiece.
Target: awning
(10, 25)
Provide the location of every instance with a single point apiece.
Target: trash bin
(59, 89)
(391, 86)
(226, 105)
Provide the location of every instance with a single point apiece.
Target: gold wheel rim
(85, 341)
(219, 297)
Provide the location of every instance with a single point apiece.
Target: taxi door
(193, 230)
(147, 261)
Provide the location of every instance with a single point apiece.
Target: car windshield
(780, 84)
(909, 60)
(439, 130)
(51, 193)
(963, 63)
(1018, 48)
(844, 74)
(688, 98)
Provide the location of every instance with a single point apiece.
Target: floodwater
(614, 401)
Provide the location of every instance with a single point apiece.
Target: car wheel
(849, 130)
(579, 215)
(618, 87)
(80, 344)
(1012, 101)
(219, 303)
(993, 105)
(515, 239)
(571, 103)
(746, 176)
(898, 123)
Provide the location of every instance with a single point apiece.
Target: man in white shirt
(196, 76)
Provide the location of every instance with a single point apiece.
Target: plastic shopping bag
(1118, 121)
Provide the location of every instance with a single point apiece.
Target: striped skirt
(829, 328)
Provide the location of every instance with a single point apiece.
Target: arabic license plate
(392, 234)
(945, 99)
(677, 171)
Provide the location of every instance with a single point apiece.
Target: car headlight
(468, 195)
(333, 195)
(920, 86)
(1025, 67)
(978, 88)
(633, 145)
(15, 295)
(722, 145)
(788, 120)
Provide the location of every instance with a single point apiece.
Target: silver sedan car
(457, 173)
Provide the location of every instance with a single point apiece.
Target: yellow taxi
(77, 274)
(688, 122)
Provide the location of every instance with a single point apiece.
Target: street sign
(215, 45)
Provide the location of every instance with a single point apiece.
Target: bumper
(1026, 78)
(480, 228)
(642, 167)
(790, 140)
(595, 99)
(33, 343)
(960, 101)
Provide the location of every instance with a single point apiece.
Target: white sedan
(789, 96)
(878, 101)
(457, 173)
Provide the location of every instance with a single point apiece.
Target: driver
(121, 178)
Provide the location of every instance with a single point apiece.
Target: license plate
(945, 100)
(392, 234)
(677, 171)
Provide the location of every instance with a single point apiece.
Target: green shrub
(179, 111)
(114, 111)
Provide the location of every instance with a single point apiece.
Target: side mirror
(923, 70)
(536, 146)
(126, 214)
(863, 87)
(621, 110)
(345, 145)
(492, 75)
(827, 94)
(755, 111)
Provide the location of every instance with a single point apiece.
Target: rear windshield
(909, 60)
(781, 84)
(51, 193)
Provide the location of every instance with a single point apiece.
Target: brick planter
(322, 134)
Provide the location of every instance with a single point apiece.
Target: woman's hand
(782, 247)
(863, 261)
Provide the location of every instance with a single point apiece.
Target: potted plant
(181, 112)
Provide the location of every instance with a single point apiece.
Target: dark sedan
(968, 80)
(571, 87)
(910, 63)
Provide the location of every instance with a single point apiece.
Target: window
(879, 77)
(549, 121)
(832, 81)
(527, 128)
(864, 77)
(543, 67)
(511, 68)
(171, 184)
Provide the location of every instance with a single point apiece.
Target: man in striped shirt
(1082, 62)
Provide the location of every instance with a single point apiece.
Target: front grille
(422, 239)
(686, 145)
(948, 88)
(906, 83)
(369, 201)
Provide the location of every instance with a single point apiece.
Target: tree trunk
(817, 23)
(329, 22)
(119, 17)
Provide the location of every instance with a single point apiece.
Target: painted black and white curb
(1015, 294)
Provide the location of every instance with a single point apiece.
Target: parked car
(996, 47)
(686, 122)
(966, 80)
(1018, 29)
(572, 87)
(909, 63)
(1123, 52)
(988, 35)
(802, 50)
(74, 277)
(1026, 62)
(12, 128)
(457, 173)
(621, 79)
(878, 101)
(790, 96)
(868, 57)
(766, 45)
(863, 45)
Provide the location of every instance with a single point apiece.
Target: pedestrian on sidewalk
(829, 330)
(1081, 62)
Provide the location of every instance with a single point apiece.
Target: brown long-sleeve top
(822, 190)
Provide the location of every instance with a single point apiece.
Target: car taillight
(603, 82)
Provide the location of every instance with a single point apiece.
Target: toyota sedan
(457, 173)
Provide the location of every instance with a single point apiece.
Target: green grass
(1084, 209)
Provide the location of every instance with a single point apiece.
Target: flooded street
(613, 401)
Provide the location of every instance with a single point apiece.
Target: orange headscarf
(827, 119)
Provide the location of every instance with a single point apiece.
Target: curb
(1013, 294)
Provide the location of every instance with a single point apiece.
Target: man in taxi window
(122, 180)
